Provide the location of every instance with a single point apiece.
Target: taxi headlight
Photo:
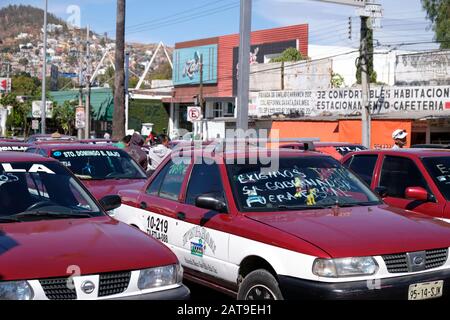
(16, 290)
(160, 277)
(345, 267)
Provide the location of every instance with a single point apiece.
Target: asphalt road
(201, 293)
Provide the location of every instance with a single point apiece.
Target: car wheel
(259, 285)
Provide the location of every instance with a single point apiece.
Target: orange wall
(343, 131)
(326, 131)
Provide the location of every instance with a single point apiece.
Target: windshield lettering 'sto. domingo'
(439, 169)
(100, 164)
(306, 182)
(31, 190)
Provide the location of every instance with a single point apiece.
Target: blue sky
(180, 20)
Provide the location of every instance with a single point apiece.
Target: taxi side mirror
(210, 202)
(110, 203)
(417, 193)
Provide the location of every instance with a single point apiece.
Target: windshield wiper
(303, 207)
(53, 215)
(358, 204)
(8, 220)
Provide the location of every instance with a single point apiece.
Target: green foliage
(163, 72)
(24, 85)
(147, 111)
(337, 81)
(65, 116)
(290, 55)
(438, 12)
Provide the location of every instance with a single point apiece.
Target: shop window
(217, 110)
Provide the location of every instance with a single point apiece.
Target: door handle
(181, 216)
(143, 205)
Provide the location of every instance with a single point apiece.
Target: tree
(23, 61)
(119, 93)
(438, 12)
(290, 55)
(24, 85)
(337, 81)
(163, 72)
(65, 116)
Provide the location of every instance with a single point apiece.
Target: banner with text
(347, 101)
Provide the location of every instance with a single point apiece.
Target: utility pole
(244, 65)
(200, 97)
(80, 86)
(44, 73)
(363, 60)
(87, 129)
(119, 83)
(127, 92)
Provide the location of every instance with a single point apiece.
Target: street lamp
(44, 72)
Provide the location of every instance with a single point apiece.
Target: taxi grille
(57, 289)
(398, 263)
(113, 283)
(109, 284)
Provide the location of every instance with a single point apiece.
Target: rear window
(439, 170)
(99, 164)
(343, 150)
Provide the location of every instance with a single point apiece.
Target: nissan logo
(418, 260)
(88, 287)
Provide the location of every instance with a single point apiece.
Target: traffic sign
(5, 84)
(35, 124)
(355, 3)
(194, 114)
(371, 10)
(36, 109)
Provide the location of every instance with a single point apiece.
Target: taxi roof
(22, 157)
(415, 152)
(77, 146)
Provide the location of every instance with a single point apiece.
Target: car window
(42, 152)
(31, 150)
(204, 179)
(363, 166)
(439, 169)
(344, 150)
(173, 180)
(155, 185)
(398, 174)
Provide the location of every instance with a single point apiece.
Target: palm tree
(119, 83)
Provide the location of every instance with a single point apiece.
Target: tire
(259, 285)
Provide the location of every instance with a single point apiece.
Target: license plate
(428, 290)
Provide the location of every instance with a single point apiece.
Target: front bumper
(384, 289)
(180, 293)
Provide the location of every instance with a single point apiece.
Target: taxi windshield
(439, 169)
(42, 190)
(298, 184)
(100, 164)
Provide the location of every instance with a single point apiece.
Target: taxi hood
(101, 188)
(50, 248)
(361, 231)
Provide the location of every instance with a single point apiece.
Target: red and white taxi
(104, 169)
(303, 228)
(57, 242)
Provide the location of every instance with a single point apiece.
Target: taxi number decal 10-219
(158, 228)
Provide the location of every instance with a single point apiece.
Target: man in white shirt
(399, 137)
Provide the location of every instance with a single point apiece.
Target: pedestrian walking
(159, 152)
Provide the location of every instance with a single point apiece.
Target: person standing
(158, 153)
(399, 137)
(134, 149)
